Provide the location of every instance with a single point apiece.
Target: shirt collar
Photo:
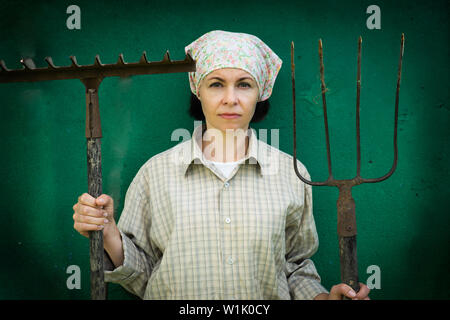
(192, 154)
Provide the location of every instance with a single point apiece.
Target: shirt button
(227, 220)
(230, 260)
(226, 184)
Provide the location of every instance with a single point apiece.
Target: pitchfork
(92, 76)
(346, 219)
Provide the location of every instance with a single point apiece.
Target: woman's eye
(245, 85)
(215, 84)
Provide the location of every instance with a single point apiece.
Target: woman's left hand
(338, 291)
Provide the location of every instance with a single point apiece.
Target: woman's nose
(230, 97)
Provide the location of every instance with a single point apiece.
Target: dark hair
(195, 109)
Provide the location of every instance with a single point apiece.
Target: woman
(223, 215)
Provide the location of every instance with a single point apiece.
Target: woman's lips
(229, 115)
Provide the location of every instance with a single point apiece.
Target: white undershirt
(226, 167)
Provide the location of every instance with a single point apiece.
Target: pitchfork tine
(294, 116)
(358, 89)
(399, 76)
(295, 125)
(325, 117)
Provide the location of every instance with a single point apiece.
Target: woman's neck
(224, 146)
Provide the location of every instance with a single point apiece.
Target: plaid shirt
(190, 233)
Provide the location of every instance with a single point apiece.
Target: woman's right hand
(94, 214)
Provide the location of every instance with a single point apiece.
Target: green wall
(403, 222)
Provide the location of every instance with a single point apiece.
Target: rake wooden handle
(98, 286)
(94, 164)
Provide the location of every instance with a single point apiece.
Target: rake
(91, 76)
(346, 217)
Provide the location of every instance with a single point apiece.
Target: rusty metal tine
(28, 63)
(3, 66)
(358, 90)
(325, 117)
(295, 125)
(188, 59)
(166, 56)
(399, 76)
(50, 63)
(97, 61)
(74, 61)
(121, 61)
(294, 116)
(143, 58)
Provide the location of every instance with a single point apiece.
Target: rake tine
(358, 89)
(166, 57)
(50, 63)
(121, 61)
(74, 62)
(143, 58)
(28, 63)
(97, 61)
(188, 58)
(325, 117)
(399, 76)
(3, 66)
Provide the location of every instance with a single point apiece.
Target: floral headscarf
(221, 49)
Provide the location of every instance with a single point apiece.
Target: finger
(104, 200)
(89, 219)
(340, 290)
(89, 211)
(363, 291)
(87, 200)
(82, 227)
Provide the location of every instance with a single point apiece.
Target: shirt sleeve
(301, 243)
(134, 226)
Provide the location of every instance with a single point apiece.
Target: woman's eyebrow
(220, 79)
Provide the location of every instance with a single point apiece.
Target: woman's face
(228, 97)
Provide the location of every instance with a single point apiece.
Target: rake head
(29, 72)
(345, 204)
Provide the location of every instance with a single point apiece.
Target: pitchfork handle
(349, 263)
(347, 237)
